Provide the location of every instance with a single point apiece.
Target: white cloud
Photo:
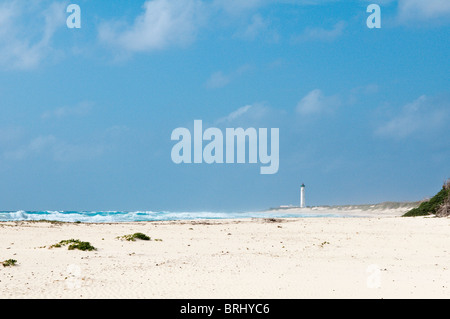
(420, 116)
(67, 152)
(321, 34)
(14, 146)
(174, 23)
(55, 149)
(80, 109)
(235, 114)
(27, 30)
(219, 79)
(315, 102)
(238, 7)
(258, 27)
(37, 145)
(249, 112)
(235, 7)
(413, 10)
(163, 23)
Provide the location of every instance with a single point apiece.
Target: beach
(382, 256)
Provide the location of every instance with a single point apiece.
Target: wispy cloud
(162, 24)
(239, 7)
(56, 149)
(422, 116)
(321, 34)
(259, 27)
(219, 79)
(410, 11)
(35, 146)
(236, 7)
(80, 109)
(315, 102)
(176, 23)
(250, 112)
(27, 30)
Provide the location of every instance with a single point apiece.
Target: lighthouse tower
(302, 196)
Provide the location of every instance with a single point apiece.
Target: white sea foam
(113, 216)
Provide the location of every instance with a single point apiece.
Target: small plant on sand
(134, 236)
(324, 243)
(75, 244)
(9, 263)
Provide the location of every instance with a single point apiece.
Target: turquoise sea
(134, 216)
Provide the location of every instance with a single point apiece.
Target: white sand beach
(383, 256)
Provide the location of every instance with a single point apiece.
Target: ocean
(138, 216)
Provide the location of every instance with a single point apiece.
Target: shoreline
(237, 258)
(368, 210)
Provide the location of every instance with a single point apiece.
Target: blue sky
(86, 114)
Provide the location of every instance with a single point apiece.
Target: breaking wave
(116, 216)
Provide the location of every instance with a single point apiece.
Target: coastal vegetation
(324, 243)
(438, 205)
(135, 236)
(9, 263)
(75, 244)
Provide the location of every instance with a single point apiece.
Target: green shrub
(9, 262)
(75, 244)
(430, 206)
(141, 236)
(84, 245)
(135, 236)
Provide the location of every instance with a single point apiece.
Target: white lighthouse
(302, 196)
